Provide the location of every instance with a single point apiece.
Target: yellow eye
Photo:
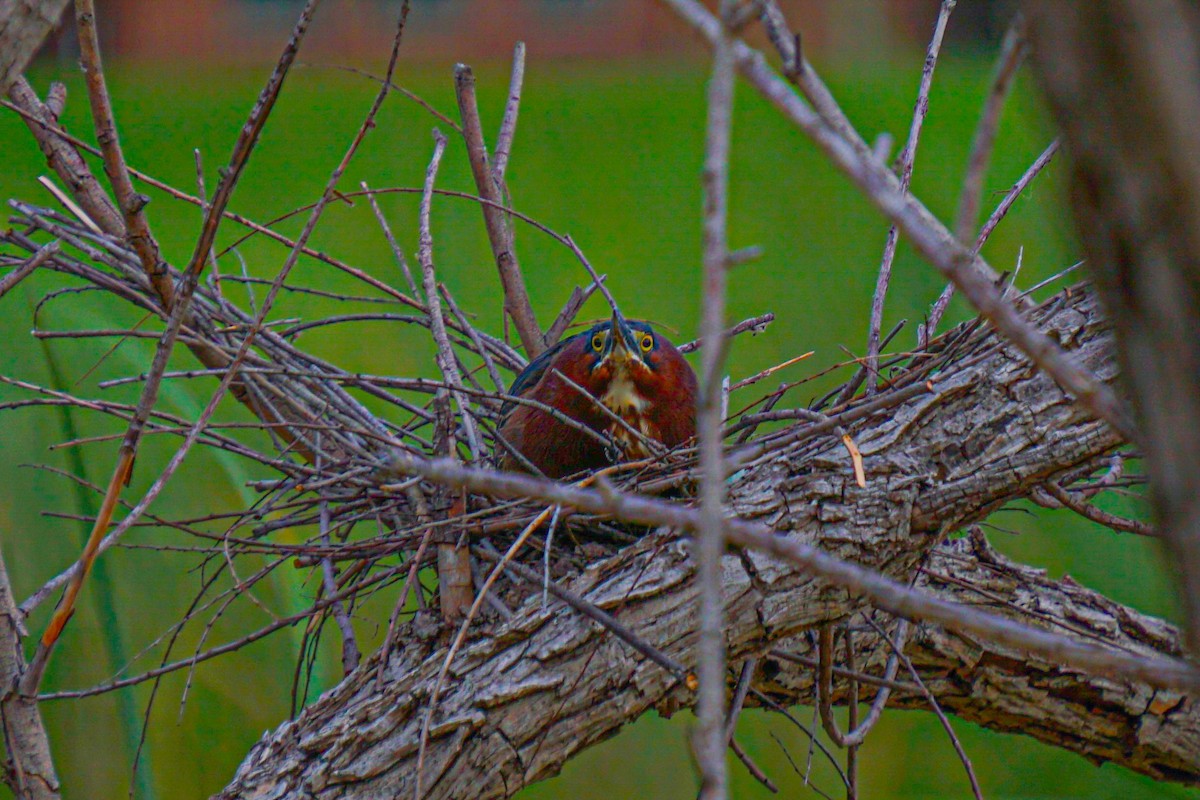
(598, 342)
(647, 343)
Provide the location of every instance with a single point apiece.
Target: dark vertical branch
(1120, 76)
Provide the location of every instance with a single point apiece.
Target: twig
(445, 353)
(887, 594)
(825, 669)
(768, 372)
(508, 126)
(898, 651)
(516, 297)
(754, 325)
(739, 698)
(569, 312)
(907, 158)
(28, 266)
(397, 251)
(939, 307)
(1012, 53)
(451, 560)
(350, 652)
(1063, 498)
(132, 205)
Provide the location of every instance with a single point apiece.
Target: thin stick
(516, 297)
(1012, 53)
(928, 330)
(445, 353)
(350, 651)
(907, 158)
(1063, 498)
(754, 770)
(397, 251)
(570, 310)
(508, 126)
(710, 739)
(755, 325)
(28, 266)
(69, 204)
(898, 651)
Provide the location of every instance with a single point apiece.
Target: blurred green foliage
(610, 153)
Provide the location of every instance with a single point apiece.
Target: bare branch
(908, 157)
(508, 126)
(516, 296)
(132, 205)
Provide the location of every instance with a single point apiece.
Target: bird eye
(647, 343)
(598, 342)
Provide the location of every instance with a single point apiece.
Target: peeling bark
(527, 695)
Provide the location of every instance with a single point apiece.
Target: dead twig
(907, 158)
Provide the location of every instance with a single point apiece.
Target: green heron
(625, 366)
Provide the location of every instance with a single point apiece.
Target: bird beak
(623, 346)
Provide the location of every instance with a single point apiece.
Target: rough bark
(24, 25)
(1122, 78)
(1154, 732)
(527, 695)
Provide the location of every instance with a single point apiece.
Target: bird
(626, 367)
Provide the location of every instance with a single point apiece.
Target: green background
(609, 152)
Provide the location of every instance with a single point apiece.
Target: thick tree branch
(523, 698)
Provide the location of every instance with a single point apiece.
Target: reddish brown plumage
(662, 383)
